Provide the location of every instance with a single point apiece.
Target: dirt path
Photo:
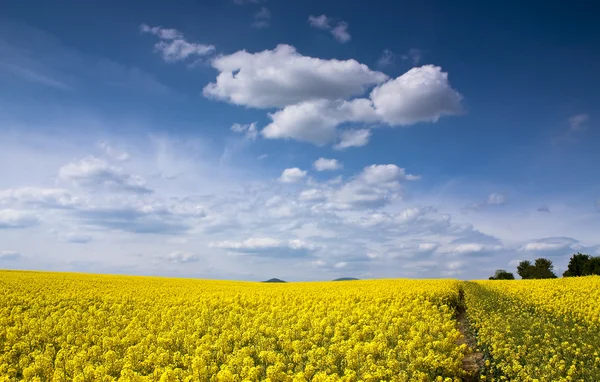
(473, 360)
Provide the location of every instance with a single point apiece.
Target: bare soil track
(473, 360)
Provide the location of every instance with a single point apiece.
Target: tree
(592, 267)
(501, 274)
(525, 269)
(542, 269)
(577, 265)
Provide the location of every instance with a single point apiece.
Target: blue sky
(305, 140)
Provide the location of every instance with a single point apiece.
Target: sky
(304, 140)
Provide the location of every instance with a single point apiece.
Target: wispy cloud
(339, 31)
(172, 45)
(262, 18)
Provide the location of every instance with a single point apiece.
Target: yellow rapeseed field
(63, 327)
(538, 330)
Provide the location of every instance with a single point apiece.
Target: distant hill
(274, 280)
(346, 279)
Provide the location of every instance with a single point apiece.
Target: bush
(501, 274)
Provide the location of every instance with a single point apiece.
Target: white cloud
(387, 58)
(552, 245)
(282, 77)
(316, 121)
(537, 246)
(319, 22)
(427, 247)
(292, 175)
(10, 255)
(313, 194)
(113, 153)
(92, 172)
(10, 218)
(374, 187)
(267, 246)
(162, 33)
(249, 130)
(353, 138)
(375, 211)
(468, 248)
(340, 265)
(262, 18)
(340, 31)
(384, 173)
(577, 122)
(173, 47)
(496, 199)
(44, 197)
(182, 257)
(420, 95)
(324, 164)
(414, 55)
(76, 237)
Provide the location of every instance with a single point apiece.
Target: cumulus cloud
(374, 187)
(10, 218)
(10, 256)
(316, 121)
(182, 257)
(282, 77)
(249, 130)
(353, 138)
(420, 95)
(172, 45)
(92, 172)
(292, 175)
(267, 246)
(340, 31)
(324, 164)
(262, 18)
(385, 174)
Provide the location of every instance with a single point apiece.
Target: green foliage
(525, 269)
(593, 266)
(576, 265)
(541, 269)
(582, 265)
(501, 274)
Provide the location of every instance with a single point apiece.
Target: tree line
(579, 265)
